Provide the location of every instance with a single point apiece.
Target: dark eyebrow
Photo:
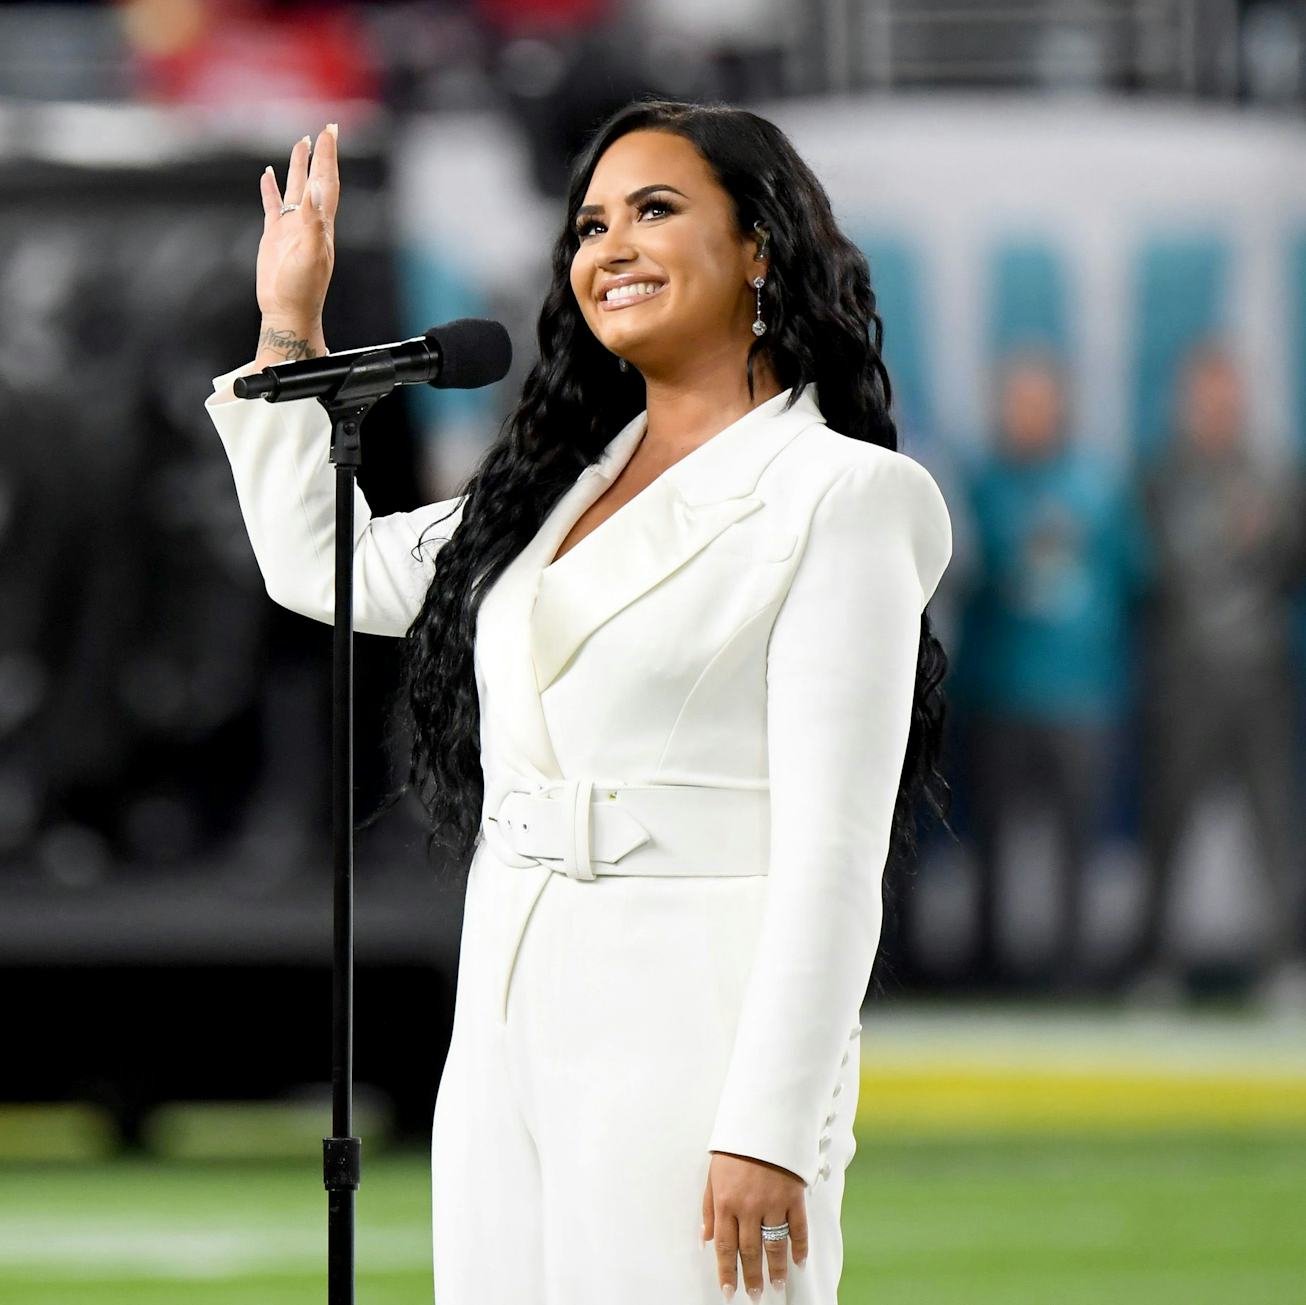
(631, 198)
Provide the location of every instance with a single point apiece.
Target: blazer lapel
(539, 613)
(503, 625)
(655, 533)
(643, 542)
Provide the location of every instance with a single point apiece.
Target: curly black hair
(822, 327)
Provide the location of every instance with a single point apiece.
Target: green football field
(1021, 1220)
(1005, 1157)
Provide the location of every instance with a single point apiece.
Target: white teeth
(631, 291)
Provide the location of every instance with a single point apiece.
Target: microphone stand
(370, 378)
(467, 353)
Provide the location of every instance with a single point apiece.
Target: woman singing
(674, 697)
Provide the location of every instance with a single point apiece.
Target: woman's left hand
(742, 1194)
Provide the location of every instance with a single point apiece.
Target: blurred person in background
(1059, 560)
(544, 55)
(1230, 539)
(245, 54)
(731, 49)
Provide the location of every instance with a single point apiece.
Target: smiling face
(655, 218)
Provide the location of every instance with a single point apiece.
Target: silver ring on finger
(288, 208)
(775, 1232)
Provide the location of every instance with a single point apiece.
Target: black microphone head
(474, 351)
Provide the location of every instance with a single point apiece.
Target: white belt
(584, 829)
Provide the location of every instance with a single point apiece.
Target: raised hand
(296, 255)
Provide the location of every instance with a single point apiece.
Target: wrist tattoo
(284, 342)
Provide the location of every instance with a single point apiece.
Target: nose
(615, 245)
(614, 236)
(613, 262)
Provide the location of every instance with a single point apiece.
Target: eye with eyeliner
(583, 227)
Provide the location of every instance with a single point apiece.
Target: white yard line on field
(60, 1250)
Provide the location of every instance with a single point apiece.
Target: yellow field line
(944, 1096)
(932, 1094)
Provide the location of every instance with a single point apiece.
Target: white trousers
(569, 1155)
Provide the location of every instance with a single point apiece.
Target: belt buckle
(497, 827)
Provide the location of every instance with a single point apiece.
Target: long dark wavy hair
(822, 327)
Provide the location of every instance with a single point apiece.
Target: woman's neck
(683, 412)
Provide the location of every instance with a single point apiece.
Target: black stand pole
(370, 378)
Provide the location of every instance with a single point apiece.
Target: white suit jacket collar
(538, 614)
(721, 467)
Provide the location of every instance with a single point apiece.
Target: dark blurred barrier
(143, 662)
(132, 1037)
(164, 728)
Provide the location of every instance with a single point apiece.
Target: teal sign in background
(896, 279)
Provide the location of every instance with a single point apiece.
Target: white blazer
(749, 620)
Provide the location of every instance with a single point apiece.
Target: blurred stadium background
(1085, 1048)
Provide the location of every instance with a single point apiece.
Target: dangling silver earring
(623, 364)
(759, 326)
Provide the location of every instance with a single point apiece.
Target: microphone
(460, 355)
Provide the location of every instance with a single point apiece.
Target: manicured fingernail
(778, 1284)
(755, 1293)
(334, 129)
(702, 1236)
(308, 141)
(315, 192)
(802, 1264)
(727, 1289)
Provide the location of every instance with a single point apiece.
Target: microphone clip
(371, 376)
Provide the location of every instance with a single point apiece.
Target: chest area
(656, 581)
(636, 480)
(614, 498)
